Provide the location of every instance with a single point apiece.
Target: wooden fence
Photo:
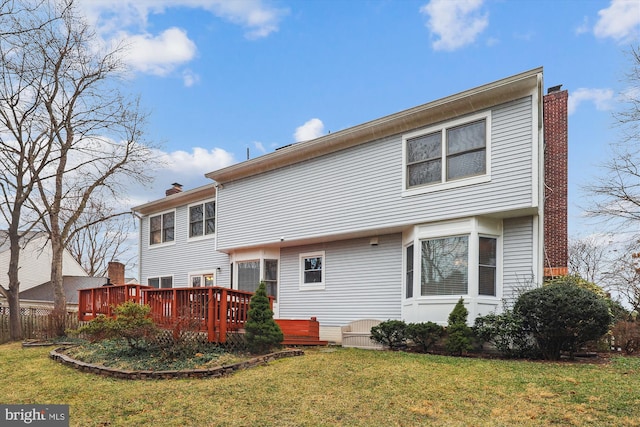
(36, 322)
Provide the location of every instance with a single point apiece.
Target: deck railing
(213, 310)
(95, 301)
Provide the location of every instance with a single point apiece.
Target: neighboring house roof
(452, 106)
(178, 199)
(71, 285)
(26, 238)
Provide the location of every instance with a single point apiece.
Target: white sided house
(34, 267)
(397, 218)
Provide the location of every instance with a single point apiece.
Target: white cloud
(584, 27)
(159, 55)
(600, 97)
(259, 19)
(190, 78)
(310, 130)
(196, 163)
(456, 23)
(260, 147)
(619, 21)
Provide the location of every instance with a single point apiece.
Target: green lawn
(340, 387)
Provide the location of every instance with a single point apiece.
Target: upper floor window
(447, 153)
(161, 228)
(202, 219)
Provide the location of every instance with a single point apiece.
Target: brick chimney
(115, 273)
(556, 149)
(177, 188)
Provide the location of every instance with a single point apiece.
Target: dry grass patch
(347, 387)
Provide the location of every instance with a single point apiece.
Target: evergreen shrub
(390, 333)
(262, 332)
(459, 334)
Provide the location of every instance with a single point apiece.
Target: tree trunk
(59, 298)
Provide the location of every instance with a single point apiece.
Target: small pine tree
(262, 332)
(458, 332)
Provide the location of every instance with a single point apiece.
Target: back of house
(397, 218)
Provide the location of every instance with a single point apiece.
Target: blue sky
(223, 76)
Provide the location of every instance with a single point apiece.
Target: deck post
(210, 316)
(222, 333)
(174, 306)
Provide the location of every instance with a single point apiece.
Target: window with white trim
(248, 275)
(445, 266)
(161, 228)
(200, 280)
(487, 266)
(202, 219)
(312, 270)
(409, 272)
(271, 277)
(446, 153)
(160, 282)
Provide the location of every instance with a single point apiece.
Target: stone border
(217, 372)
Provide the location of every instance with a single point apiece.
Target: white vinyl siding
(183, 257)
(361, 189)
(350, 293)
(518, 270)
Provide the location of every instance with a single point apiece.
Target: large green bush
(131, 322)
(390, 333)
(458, 340)
(424, 335)
(507, 334)
(562, 317)
(262, 332)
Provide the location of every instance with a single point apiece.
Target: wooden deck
(214, 310)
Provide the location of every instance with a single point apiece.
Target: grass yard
(347, 387)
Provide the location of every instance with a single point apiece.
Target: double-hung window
(447, 153)
(312, 273)
(202, 219)
(487, 266)
(161, 228)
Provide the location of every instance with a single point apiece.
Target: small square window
(312, 270)
(161, 228)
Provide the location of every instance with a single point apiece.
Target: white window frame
(456, 182)
(323, 271)
(204, 235)
(162, 243)
(201, 274)
(473, 228)
(160, 281)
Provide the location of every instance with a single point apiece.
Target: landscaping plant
(390, 333)
(424, 335)
(507, 334)
(458, 340)
(262, 332)
(563, 317)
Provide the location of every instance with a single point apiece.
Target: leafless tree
(617, 192)
(88, 134)
(94, 247)
(23, 142)
(588, 258)
(623, 276)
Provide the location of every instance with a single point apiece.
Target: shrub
(626, 335)
(390, 333)
(458, 340)
(131, 322)
(562, 317)
(507, 333)
(424, 335)
(262, 332)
